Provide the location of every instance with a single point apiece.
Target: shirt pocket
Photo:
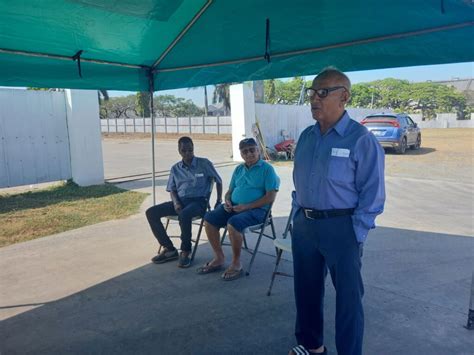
(341, 169)
(200, 178)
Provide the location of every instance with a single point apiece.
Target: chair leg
(224, 234)
(273, 229)
(196, 242)
(273, 234)
(245, 241)
(279, 252)
(166, 229)
(255, 250)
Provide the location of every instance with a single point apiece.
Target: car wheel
(417, 145)
(402, 147)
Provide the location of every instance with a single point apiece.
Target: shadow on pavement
(421, 151)
(416, 301)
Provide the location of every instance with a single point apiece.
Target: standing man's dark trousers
(319, 244)
(192, 207)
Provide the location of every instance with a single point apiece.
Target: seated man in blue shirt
(252, 189)
(188, 184)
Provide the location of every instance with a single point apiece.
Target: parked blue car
(396, 131)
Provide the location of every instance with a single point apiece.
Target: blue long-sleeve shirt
(344, 168)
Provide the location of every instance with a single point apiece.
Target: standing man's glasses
(322, 93)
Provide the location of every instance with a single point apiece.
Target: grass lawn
(30, 215)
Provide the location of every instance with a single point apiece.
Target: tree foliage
(139, 106)
(402, 96)
(285, 92)
(142, 104)
(222, 95)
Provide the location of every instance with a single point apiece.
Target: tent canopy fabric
(186, 43)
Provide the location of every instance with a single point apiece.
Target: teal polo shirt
(250, 184)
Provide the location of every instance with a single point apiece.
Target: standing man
(189, 187)
(252, 189)
(339, 182)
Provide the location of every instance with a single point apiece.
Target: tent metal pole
(152, 113)
(182, 33)
(320, 49)
(69, 58)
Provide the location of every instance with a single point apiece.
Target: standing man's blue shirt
(192, 181)
(343, 168)
(251, 184)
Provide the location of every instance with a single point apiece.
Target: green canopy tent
(153, 45)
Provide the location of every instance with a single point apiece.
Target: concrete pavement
(93, 290)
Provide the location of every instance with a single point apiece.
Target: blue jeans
(319, 245)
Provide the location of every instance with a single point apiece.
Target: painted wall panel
(34, 144)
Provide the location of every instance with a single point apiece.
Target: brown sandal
(207, 268)
(232, 274)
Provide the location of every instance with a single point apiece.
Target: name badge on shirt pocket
(199, 175)
(340, 152)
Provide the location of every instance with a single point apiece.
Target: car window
(380, 118)
(402, 121)
(410, 121)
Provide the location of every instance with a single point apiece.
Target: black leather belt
(322, 214)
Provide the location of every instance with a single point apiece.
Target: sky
(413, 74)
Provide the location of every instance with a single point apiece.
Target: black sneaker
(184, 260)
(165, 256)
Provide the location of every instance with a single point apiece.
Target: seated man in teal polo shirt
(252, 189)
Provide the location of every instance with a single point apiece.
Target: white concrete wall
(442, 120)
(199, 125)
(34, 146)
(243, 115)
(293, 119)
(49, 136)
(84, 137)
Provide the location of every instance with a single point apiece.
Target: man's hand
(240, 208)
(228, 206)
(218, 203)
(177, 207)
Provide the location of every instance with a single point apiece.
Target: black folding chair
(197, 220)
(256, 229)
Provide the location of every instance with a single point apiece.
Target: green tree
(142, 104)
(102, 95)
(163, 105)
(118, 107)
(364, 95)
(402, 96)
(186, 108)
(285, 92)
(269, 91)
(206, 101)
(222, 95)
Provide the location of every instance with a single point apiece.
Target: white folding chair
(281, 245)
(256, 229)
(197, 220)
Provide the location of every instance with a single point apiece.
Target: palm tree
(222, 94)
(206, 106)
(102, 94)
